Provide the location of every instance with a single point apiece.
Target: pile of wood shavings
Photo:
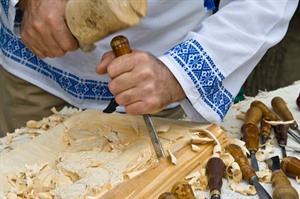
(35, 128)
(86, 169)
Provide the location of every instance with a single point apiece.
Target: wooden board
(156, 180)
(160, 179)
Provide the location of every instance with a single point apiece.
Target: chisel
(250, 133)
(120, 46)
(247, 171)
(265, 130)
(265, 110)
(280, 107)
(215, 169)
(281, 137)
(291, 166)
(282, 187)
(272, 116)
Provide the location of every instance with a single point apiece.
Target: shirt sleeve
(211, 64)
(11, 15)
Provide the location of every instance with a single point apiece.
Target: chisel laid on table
(280, 107)
(215, 169)
(247, 171)
(250, 133)
(291, 166)
(282, 187)
(265, 130)
(281, 137)
(120, 46)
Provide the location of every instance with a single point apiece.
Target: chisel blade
(154, 137)
(253, 161)
(262, 193)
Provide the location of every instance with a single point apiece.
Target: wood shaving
(200, 140)
(205, 131)
(198, 180)
(239, 188)
(227, 158)
(263, 154)
(172, 157)
(163, 128)
(35, 128)
(264, 175)
(241, 116)
(88, 168)
(274, 123)
(241, 144)
(196, 148)
(135, 127)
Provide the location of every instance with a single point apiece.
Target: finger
(33, 40)
(122, 83)
(37, 52)
(127, 97)
(139, 108)
(120, 65)
(107, 58)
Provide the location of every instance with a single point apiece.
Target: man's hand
(44, 30)
(140, 82)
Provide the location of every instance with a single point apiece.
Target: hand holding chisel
(120, 46)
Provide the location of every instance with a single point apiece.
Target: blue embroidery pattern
(13, 48)
(5, 5)
(204, 74)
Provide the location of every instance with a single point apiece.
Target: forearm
(213, 63)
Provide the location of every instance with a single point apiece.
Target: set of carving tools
(281, 121)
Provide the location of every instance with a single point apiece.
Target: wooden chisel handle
(290, 166)
(241, 159)
(281, 132)
(280, 107)
(282, 187)
(265, 128)
(265, 110)
(120, 45)
(250, 136)
(215, 169)
(253, 115)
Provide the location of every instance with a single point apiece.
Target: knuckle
(69, 45)
(112, 87)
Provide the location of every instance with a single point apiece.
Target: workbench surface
(231, 125)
